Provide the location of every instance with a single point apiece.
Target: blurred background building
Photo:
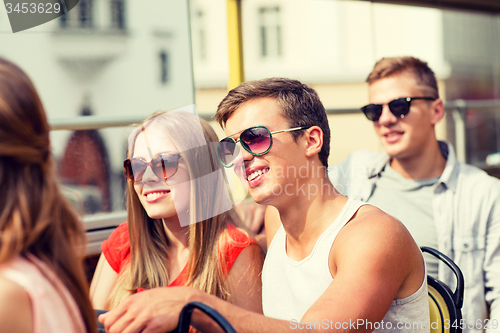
(105, 58)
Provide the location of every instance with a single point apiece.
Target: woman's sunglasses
(256, 140)
(163, 166)
(399, 107)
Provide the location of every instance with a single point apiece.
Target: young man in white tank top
(333, 265)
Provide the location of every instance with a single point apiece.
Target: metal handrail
(451, 105)
(96, 122)
(104, 220)
(479, 103)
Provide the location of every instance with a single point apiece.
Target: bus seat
(445, 306)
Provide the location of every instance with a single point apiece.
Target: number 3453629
(472, 324)
(27, 7)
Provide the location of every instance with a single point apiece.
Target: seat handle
(185, 318)
(187, 311)
(458, 295)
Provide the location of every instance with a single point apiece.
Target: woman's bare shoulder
(15, 308)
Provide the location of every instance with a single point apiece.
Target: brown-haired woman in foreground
(182, 229)
(42, 242)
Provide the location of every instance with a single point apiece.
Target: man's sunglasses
(399, 107)
(163, 166)
(256, 140)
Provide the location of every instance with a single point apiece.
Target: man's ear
(314, 140)
(437, 111)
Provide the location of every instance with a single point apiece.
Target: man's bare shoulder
(371, 218)
(372, 232)
(376, 244)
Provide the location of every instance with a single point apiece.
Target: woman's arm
(15, 308)
(102, 283)
(244, 279)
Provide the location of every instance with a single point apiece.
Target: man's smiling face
(408, 136)
(264, 174)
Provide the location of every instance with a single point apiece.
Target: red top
(116, 250)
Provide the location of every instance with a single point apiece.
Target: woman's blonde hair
(148, 242)
(35, 218)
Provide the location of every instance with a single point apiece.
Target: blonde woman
(42, 284)
(181, 230)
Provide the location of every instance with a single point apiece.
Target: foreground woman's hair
(35, 218)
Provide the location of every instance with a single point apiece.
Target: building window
(85, 13)
(270, 32)
(63, 20)
(164, 65)
(79, 17)
(118, 14)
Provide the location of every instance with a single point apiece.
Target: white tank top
(290, 288)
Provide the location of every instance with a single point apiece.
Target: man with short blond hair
(445, 204)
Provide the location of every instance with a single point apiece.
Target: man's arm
(374, 261)
(157, 311)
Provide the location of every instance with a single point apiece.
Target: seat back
(445, 306)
